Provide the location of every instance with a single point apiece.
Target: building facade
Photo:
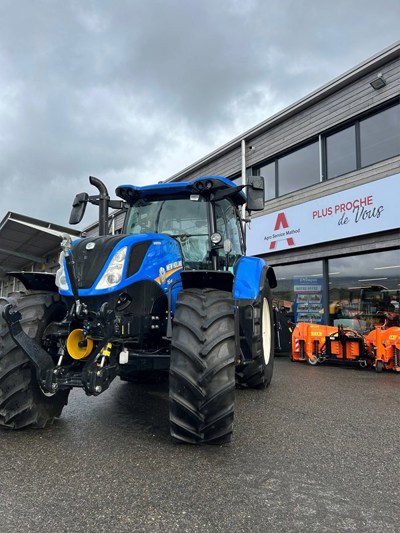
(331, 166)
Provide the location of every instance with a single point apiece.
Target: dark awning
(25, 240)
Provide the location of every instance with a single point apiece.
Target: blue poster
(308, 300)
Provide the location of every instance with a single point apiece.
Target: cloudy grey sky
(132, 91)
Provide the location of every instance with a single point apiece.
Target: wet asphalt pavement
(317, 452)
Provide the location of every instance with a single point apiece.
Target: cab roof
(218, 186)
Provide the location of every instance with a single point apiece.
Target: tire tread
(202, 383)
(22, 403)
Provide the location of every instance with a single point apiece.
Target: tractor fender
(36, 281)
(251, 273)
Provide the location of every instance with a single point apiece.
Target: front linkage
(94, 374)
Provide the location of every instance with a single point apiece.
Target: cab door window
(229, 228)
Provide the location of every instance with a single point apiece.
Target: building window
(380, 136)
(269, 175)
(291, 172)
(341, 152)
(298, 169)
(299, 294)
(364, 290)
(365, 142)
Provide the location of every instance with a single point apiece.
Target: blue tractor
(173, 293)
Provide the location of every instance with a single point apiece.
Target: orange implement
(299, 342)
(384, 348)
(308, 340)
(315, 343)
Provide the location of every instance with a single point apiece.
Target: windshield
(187, 221)
(172, 216)
(182, 218)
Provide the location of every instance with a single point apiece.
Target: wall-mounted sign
(308, 300)
(361, 210)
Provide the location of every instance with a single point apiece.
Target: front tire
(202, 373)
(257, 374)
(22, 402)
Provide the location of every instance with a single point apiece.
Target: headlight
(216, 238)
(113, 275)
(61, 279)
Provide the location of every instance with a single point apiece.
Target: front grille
(88, 263)
(136, 256)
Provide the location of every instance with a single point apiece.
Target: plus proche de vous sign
(365, 209)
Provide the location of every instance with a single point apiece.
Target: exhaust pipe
(104, 198)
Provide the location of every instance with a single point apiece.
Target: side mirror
(78, 207)
(255, 193)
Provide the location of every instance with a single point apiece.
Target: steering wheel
(181, 237)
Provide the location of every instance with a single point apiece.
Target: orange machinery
(315, 343)
(383, 347)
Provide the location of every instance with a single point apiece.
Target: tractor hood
(110, 263)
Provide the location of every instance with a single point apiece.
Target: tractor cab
(204, 215)
(209, 231)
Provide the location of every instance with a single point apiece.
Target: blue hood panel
(161, 263)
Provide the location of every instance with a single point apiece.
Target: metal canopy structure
(25, 240)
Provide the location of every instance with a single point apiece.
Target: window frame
(323, 154)
(256, 169)
(356, 123)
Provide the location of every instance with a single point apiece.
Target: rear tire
(22, 402)
(257, 374)
(202, 373)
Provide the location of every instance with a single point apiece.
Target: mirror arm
(113, 204)
(118, 204)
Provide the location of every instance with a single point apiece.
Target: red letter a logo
(281, 222)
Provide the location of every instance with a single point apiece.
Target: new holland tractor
(174, 292)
